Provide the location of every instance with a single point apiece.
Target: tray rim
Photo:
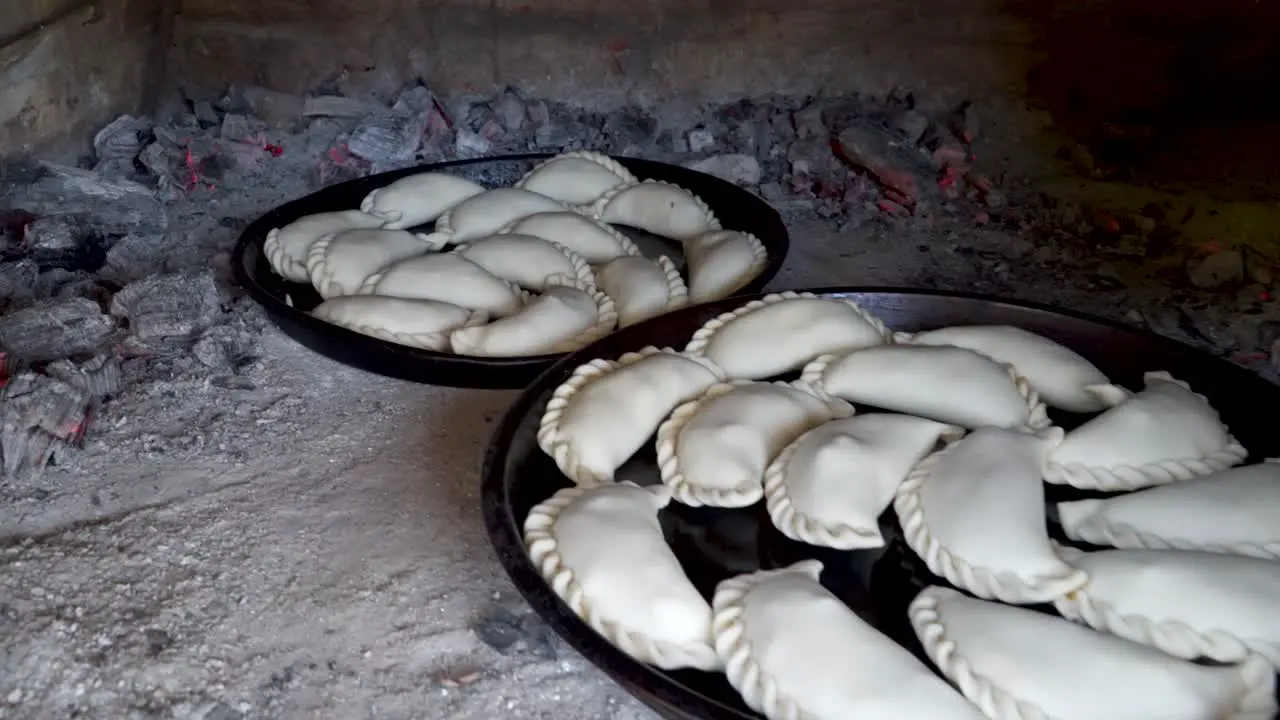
(658, 692)
(426, 366)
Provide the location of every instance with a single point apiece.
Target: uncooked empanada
(1019, 664)
(415, 323)
(642, 288)
(565, 317)
(484, 214)
(339, 264)
(445, 277)
(830, 486)
(595, 241)
(286, 248)
(1163, 434)
(1235, 511)
(793, 650)
(658, 207)
(974, 512)
(577, 178)
(1189, 604)
(418, 199)
(781, 332)
(1058, 373)
(714, 450)
(722, 262)
(608, 409)
(527, 260)
(948, 384)
(630, 589)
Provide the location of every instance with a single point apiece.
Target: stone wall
(68, 66)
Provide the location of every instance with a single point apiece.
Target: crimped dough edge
(626, 244)
(1038, 418)
(602, 203)
(370, 285)
(318, 267)
(436, 341)
(1005, 587)
(581, 269)
(760, 260)
(544, 552)
(800, 526)
(758, 689)
(624, 175)
(668, 436)
(702, 336)
(562, 398)
(273, 249)
(677, 291)
(1256, 674)
(606, 315)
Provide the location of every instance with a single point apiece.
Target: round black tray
(737, 209)
(713, 544)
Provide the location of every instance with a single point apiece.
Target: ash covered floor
(249, 530)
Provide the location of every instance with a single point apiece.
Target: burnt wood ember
(110, 206)
(170, 307)
(55, 329)
(40, 415)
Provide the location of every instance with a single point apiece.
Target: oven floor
(311, 546)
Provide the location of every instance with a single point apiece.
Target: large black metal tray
(713, 544)
(737, 209)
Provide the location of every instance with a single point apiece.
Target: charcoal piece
(61, 242)
(39, 415)
(509, 632)
(133, 257)
(338, 106)
(118, 144)
(111, 206)
(99, 376)
(274, 107)
(510, 110)
(174, 306)
(55, 329)
(415, 100)
(630, 127)
(388, 136)
(18, 280)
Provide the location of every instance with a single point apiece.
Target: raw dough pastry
(608, 409)
(482, 215)
(781, 332)
(577, 178)
(1163, 434)
(595, 241)
(722, 262)
(642, 288)
(658, 207)
(415, 323)
(1235, 511)
(527, 260)
(830, 486)
(286, 248)
(948, 384)
(1057, 373)
(630, 589)
(339, 264)
(1019, 664)
(445, 277)
(1188, 604)
(714, 450)
(565, 317)
(418, 199)
(793, 650)
(974, 512)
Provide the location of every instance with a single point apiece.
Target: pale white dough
(722, 262)
(974, 512)
(830, 486)
(1019, 664)
(794, 651)
(286, 248)
(1059, 374)
(418, 199)
(564, 317)
(484, 214)
(595, 241)
(527, 260)
(1164, 434)
(948, 384)
(783, 331)
(446, 277)
(339, 264)
(577, 178)
(415, 323)
(1189, 604)
(642, 288)
(658, 207)
(1234, 511)
(713, 450)
(629, 589)
(608, 409)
